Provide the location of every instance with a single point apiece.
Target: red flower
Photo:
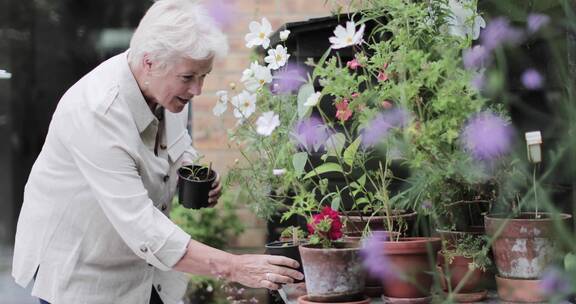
(355, 95)
(353, 64)
(343, 112)
(386, 104)
(382, 76)
(327, 214)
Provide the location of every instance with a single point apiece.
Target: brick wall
(209, 132)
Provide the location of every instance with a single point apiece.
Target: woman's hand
(215, 193)
(264, 271)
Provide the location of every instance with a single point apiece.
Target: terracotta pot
(454, 237)
(410, 258)
(355, 222)
(523, 246)
(452, 274)
(305, 300)
(333, 274)
(519, 290)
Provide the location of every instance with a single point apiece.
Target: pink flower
(353, 64)
(386, 104)
(343, 112)
(335, 231)
(355, 95)
(382, 75)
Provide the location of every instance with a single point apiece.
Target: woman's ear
(146, 63)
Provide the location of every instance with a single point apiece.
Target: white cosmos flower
(277, 57)
(244, 104)
(256, 76)
(463, 20)
(313, 99)
(266, 123)
(259, 34)
(222, 103)
(278, 172)
(284, 35)
(348, 36)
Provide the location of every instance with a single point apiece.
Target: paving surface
(10, 292)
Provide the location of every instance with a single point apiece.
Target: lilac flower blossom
(311, 134)
(554, 282)
(222, 11)
(537, 21)
(379, 127)
(532, 80)
(476, 57)
(288, 79)
(374, 257)
(487, 136)
(478, 81)
(426, 205)
(498, 32)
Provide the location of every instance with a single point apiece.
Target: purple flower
(554, 282)
(374, 257)
(426, 205)
(499, 32)
(532, 80)
(222, 11)
(478, 81)
(378, 128)
(487, 136)
(476, 57)
(288, 79)
(537, 21)
(311, 134)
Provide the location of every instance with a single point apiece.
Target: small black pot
(194, 193)
(287, 249)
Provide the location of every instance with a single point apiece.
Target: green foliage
(470, 246)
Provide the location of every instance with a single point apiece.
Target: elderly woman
(94, 227)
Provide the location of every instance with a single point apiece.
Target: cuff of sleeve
(174, 248)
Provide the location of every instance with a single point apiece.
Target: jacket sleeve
(103, 145)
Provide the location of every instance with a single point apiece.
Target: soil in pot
(411, 261)
(194, 184)
(523, 246)
(287, 249)
(333, 274)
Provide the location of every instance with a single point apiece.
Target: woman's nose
(195, 88)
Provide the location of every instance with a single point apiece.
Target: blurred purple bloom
(222, 11)
(476, 57)
(487, 136)
(311, 134)
(478, 81)
(378, 128)
(536, 21)
(498, 32)
(532, 80)
(288, 79)
(426, 205)
(554, 282)
(374, 257)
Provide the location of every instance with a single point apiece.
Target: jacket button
(159, 288)
(163, 207)
(163, 147)
(143, 249)
(166, 178)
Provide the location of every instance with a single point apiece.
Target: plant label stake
(533, 142)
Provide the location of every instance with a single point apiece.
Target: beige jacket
(93, 226)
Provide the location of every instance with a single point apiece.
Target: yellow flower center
(349, 40)
(246, 103)
(262, 35)
(261, 81)
(278, 57)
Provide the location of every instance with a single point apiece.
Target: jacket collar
(130, 92)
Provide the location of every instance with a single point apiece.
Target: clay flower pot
(458, 274)
(355, 222)
(193, 191)
(519, 291)
(305, 300)
(333, 274)
(524, 245)
(409, 260)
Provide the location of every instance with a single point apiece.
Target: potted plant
(194, 185)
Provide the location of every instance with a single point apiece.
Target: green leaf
(335, 144)
(350, 152)
(299, 161)
(570, 262)
(305, 91)
(336, 203)
(321, 62)
(324, 168)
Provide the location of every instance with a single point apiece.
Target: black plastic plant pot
(287, 249)
(194, 184)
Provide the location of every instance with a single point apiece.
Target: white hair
(173, 29)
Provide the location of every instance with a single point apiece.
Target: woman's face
(178, 84)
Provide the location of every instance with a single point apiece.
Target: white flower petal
(266, 123)
(284, 35)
